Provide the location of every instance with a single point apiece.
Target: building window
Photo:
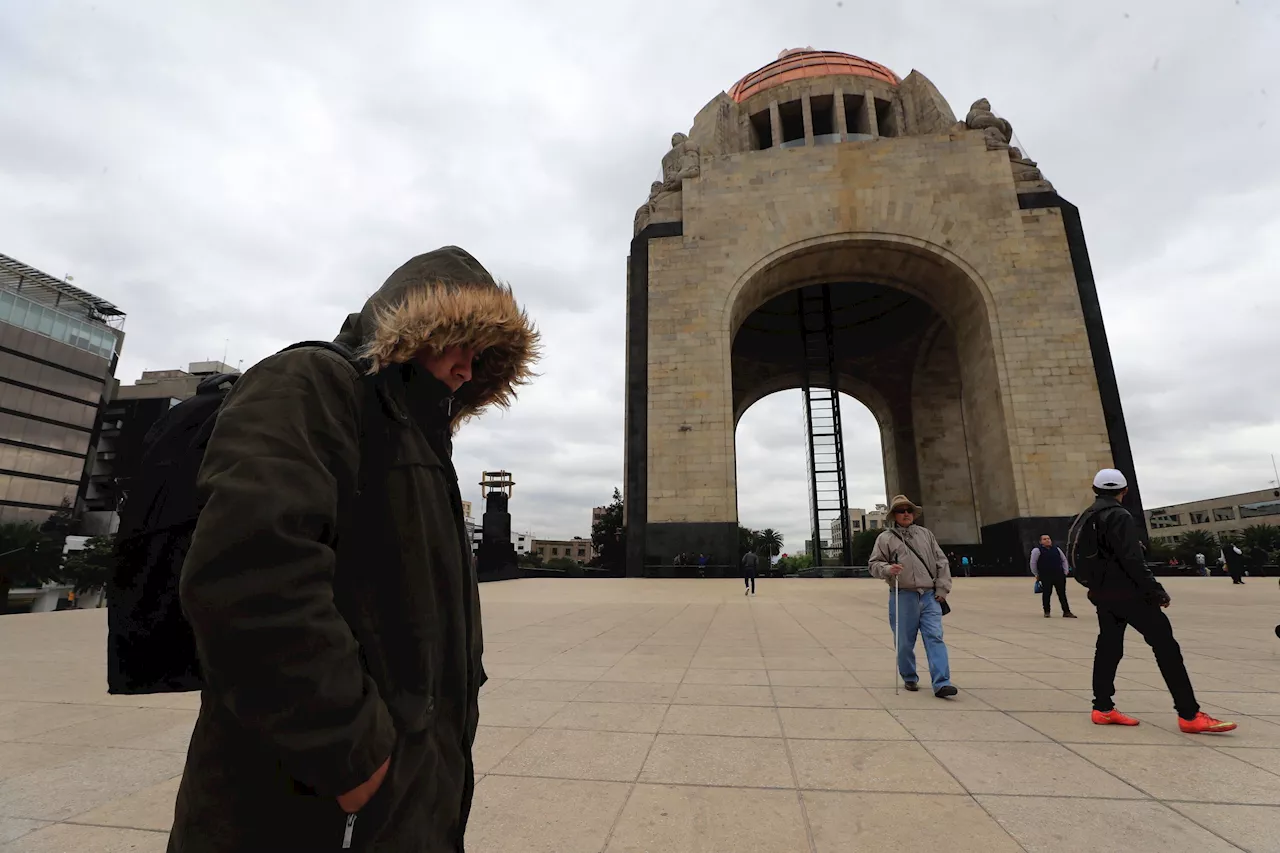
(855, 115)
(792, 115)
(873, 524)
(1224, 513)
(1199, 517)
(582, 552)
(555, 552)
(885, 118)
(822, 109)
(1165, 520)
(761, 131)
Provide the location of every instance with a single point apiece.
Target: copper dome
(806, 62)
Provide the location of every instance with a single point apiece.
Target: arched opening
(909, 338)
(772, 467)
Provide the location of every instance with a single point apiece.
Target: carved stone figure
(1026, 169)
(679, 163)
(644, 211)
(997, 131)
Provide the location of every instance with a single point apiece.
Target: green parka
(330, 583)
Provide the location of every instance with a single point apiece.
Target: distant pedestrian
(910, 554)
(749, 564)
(966, 564)
(1234, 560)
(1201, 568)
(1049, 565)
(1106, 555)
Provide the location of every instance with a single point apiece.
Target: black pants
(1237, 572)
(1050, 582)
(1151, 622)
(749, 581)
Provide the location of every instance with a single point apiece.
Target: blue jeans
(920, 613)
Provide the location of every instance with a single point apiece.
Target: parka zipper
(346, 836)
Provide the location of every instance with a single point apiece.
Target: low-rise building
(1230, 515)
(577, 549)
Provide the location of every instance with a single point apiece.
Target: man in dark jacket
(1126, 593)
(1234, 560)
(750, 562)
(330, 585)
(1049, 565)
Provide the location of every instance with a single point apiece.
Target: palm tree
(1197, 542)
(769, 541)
(1258, 542)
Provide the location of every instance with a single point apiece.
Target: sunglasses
(904, 511)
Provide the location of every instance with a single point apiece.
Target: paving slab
(635, 715)
(1050, 824)
(686, 819)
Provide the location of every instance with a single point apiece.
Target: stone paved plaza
(651, 715)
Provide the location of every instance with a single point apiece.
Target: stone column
(775, 123)
(841, 123)
(807, 111)
(869, 104)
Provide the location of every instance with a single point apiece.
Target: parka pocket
(410, 778)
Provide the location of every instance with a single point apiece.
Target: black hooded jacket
(1125, 576)
(332, 593)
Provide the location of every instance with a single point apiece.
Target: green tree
(1161, 552)
(863, 542)
(748, 540)
(609, 536)
(1197, 542)
(24, 558)
(90, 568)
(794, 563)
(1259, 543)
(769, 541)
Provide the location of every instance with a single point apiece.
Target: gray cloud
(249, 172)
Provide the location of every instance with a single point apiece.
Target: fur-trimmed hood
(442, 299)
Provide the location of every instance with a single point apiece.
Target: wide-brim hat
(902, 500)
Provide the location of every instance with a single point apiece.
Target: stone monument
(496, 556)
(962, 305)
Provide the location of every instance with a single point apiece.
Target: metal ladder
(828, 496)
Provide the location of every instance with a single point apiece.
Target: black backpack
(150, 645)
(1085, 553)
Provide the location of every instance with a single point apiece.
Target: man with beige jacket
(909, 553)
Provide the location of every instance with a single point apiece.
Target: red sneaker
(1112, 718)
(1204, 724)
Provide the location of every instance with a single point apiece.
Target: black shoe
(1046, 614)
(1069, 615)
(913, 686)
(945, 692)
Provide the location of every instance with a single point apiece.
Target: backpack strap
(360, 364)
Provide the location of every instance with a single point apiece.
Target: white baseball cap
(1110, 479)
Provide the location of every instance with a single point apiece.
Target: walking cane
(895, 636)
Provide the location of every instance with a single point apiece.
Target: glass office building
(58, 351)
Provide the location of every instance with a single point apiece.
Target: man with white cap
(1106, 553)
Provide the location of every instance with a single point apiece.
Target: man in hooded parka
(330, 585)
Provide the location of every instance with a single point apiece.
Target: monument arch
(830, 226)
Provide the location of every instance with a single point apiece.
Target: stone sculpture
(998, 133)
(681, 162)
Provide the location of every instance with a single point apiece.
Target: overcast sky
(245, 175)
